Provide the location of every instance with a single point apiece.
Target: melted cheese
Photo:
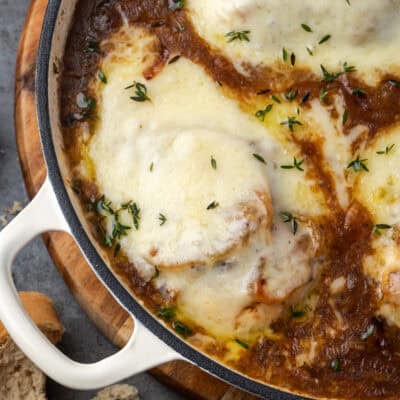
(158, 154)
(379, 191)
(365, 34)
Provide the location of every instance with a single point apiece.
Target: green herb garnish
(140, 92)
(359, 92)
(182, 329)
(324, 95)
(102, 76)
(162, 218)
(291, 122)
(293, 59)
(88, 103)
(260, 114)
(259, 158)
(348, 68)
(296, 313)
(119, 230)
(92, 47)
(117, 249)
(335, 365)
(289, 218)
(358, 164)
(104, 205)
(276, 99)
(167, 313)
(387, 150)
(305, 98)
(238, 35)
(284, 55)
(306, 27)
(174, 59)
(212, 205)
(241, 343)
(345, 117)
(213, 162)
(176, 4)
(368, 332)
(324, 39)
(134, 210)
(291, 95)
(329, 76)
(297, 164)
(108, 241)
(378, 227)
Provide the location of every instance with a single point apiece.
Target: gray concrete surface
(33, 269)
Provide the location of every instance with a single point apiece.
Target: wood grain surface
(104, 311)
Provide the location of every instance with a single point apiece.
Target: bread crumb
(118, 392)
(15, 209)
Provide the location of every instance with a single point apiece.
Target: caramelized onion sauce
(345, 365)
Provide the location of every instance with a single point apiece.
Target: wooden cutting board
(104, 311)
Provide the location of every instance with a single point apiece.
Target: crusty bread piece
(118, 392)
(20, 379)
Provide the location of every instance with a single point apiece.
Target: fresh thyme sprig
(134, 211)
(387, 150)
(291, 94)
(260, 114)
(291, 122)
(297, 164)
(358, 165)
(140, 92)
(242, 36)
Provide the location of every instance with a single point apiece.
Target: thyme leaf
(297, 164)
(291, 122)
(259, 158)
(162, 218)
(238, 35)
(358, 165)
(387, 150)
(243, 344)
(289, 218)
(140, 92)
(260, 114)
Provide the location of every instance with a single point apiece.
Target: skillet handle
(143, 351)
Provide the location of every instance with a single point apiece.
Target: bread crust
(19, 377)
(41, 309)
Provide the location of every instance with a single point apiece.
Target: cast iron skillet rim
(42, 100)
